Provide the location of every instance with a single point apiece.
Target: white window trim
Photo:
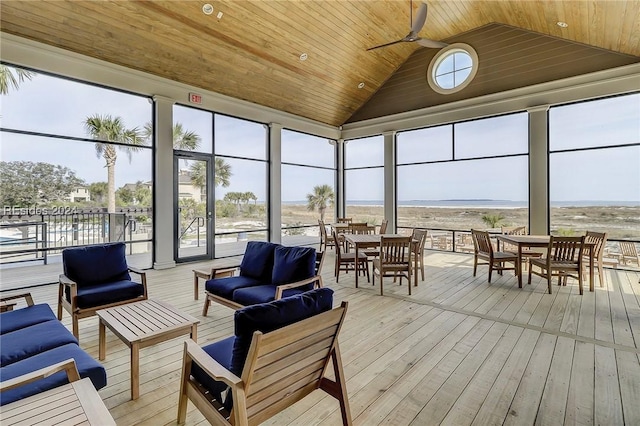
(444, 53)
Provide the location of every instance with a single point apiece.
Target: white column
(390, 180)
(163, 207)
(538, 170)
(340, 188)
(275, 182)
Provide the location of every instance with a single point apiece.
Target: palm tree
(493, 220)
(197, 171)
(322, 197)
(10, 80)
(222, 172)
(185, 140)
(112, 129)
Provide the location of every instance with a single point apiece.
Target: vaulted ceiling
(252, 50)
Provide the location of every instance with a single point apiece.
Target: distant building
(186, 189)
(79, 194)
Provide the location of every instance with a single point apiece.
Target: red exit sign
(195, 98)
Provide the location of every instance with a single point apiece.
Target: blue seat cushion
(258, 260)
(96, 264)
(25, 342)
(291, 264)
(224, 287)
(103, 294)
(221, 351)
(87, 367)
(21, 318)
(267, 317)
(261, 294)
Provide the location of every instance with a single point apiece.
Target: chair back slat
(482, 242)
(361, 228)
(383, 226)
(628, 248)
(395, 251)
(344, 220)
(287, 364)
(598, 239)
(420, 235)
(567, 249)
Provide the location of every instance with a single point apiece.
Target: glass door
(193, 206)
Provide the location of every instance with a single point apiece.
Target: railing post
(44, 240)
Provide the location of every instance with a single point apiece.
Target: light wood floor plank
(458, 351)
(579, 409)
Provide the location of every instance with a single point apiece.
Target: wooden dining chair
(325, 239)
(394, 260)
(564, 259)
(347, 261)
(383, 226)
(483, 250)
(628, 253)
(510, 248)
(418, 239)
(599, 240)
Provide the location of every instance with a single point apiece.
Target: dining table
(365, 241)
(542, 241)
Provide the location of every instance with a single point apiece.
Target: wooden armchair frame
(282, 367)
(68, 366)
(79, 313)
(7, 302)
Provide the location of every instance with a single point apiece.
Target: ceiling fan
(416, 27)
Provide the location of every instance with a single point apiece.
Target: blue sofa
(268, 272)
(32, 338)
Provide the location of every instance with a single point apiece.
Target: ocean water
(509, 204)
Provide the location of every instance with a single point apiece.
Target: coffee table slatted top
(76, 403)
(137, 322)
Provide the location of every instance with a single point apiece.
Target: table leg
(195, 285)
(194, 333)
(102, 341)
(135, 371)
(357, 264)
(519, 266)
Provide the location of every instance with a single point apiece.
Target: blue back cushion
(271, 316)
(29, 341)
(291, 264)
(258, 260)
(96, 264)
(25, 317)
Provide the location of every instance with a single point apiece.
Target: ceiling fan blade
(431, 43)
(386, 44)
(421, 17)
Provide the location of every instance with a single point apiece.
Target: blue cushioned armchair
(279, 353)
(97, 277)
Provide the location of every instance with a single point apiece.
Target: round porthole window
(453, 68)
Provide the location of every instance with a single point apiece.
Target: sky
(57, 106)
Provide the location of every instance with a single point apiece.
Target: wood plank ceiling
(253, 51)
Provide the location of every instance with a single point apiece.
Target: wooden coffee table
(143, 324)
(76, 403)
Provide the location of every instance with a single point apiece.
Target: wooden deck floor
(458, 351)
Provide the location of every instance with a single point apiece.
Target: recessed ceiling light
(361, 85)
(207, 9)
(303, 56)
(562, 24)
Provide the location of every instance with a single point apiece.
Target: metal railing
(28, 238)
